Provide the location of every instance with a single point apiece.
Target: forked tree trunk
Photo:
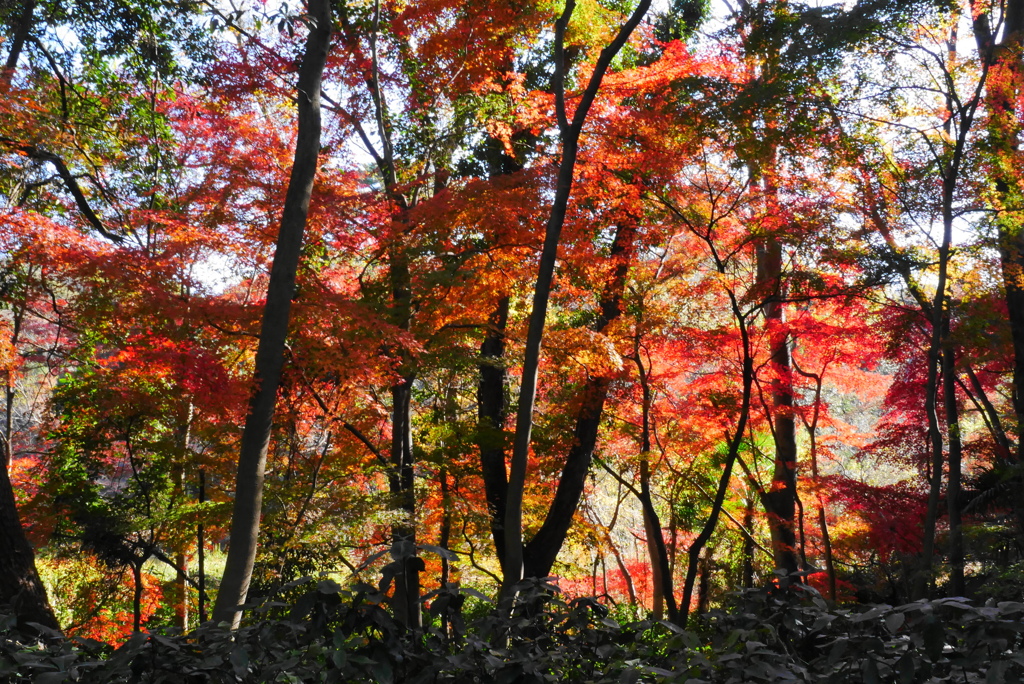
(570, 134)
(661, 572)
(938, 368)
(540, 553)
(245, 518)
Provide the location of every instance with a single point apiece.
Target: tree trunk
(540, 553)
(201, 550)
(445, 535)
(812, 435)
(780, 501)
(735, 442)
(492, 400)
(492, 409)
(137, 594)
(940, 328)
(245, 519)
(21, 32)
(1002, 55)
(661, 572)
(704, 584)
(747, 578)
(20, 585)
(570, 133)
(956, 540)
(962, 114)
(406, 599)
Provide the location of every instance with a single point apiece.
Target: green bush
(332, 634)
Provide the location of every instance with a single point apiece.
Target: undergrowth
(334, 634)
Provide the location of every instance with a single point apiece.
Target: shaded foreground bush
(336, 635)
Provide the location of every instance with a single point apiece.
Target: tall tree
(1000, 41)
(245, 519)
(569, 135)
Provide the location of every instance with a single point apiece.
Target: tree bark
(962, 115)
(492, 399)
(747, 570)
(201, 550)
(812, 434)
(780, 501)
(406, 599)
(20, 585)
(661, 572)
(245, 520)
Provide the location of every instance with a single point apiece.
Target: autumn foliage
(782, 330)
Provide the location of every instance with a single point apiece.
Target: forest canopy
(646, 302)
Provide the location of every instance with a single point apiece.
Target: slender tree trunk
(923, 582)
(245, 519)
(734, 449)
(991, 416)
(704, 584)
(137, 594)
(570, 133)
(940, 326)
(181, 611)
(812, 434)
(956, 541)
(445, 534)
(201, 550)
(10, 388)
(962, 117)
(748, 546)
(661, 573)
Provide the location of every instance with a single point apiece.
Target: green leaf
(894, 621)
